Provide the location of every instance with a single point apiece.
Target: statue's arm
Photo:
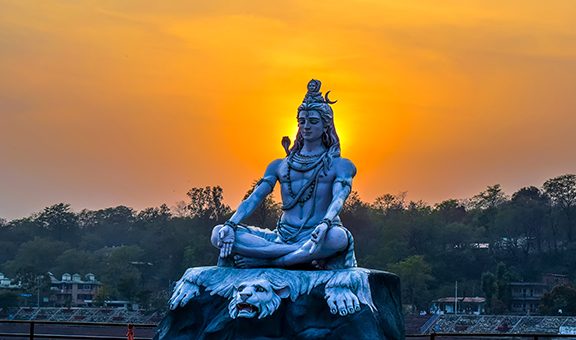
(345, 172)
(264, 187)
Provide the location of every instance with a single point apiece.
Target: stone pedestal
(206, 316)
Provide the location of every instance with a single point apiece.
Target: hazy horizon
(173, 205)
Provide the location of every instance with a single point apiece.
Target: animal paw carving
(342, 300)
(183, 292)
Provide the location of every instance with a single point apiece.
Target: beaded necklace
(304, 163)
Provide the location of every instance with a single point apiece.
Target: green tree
(7, 250)
(486, 205)
(35, 257)
(108, 227)
(496, 287)
(266, 214)
(22, 230)
(415, 275)
(206, 204)
(353, 204)
(450, 211)
(104, 293)
(356, 217)
(492, 197)
(159, 215)
(60, 222)
(420, 231)
(529, 209)
(562, 192)
(387, 203)
(120, 273)
(560, 301)
(489, 287)
(76, 261)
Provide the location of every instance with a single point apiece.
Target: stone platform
(304, 315)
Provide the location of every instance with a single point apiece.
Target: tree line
(483, 242)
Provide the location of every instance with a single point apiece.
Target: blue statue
(308, 259)
(314, 183)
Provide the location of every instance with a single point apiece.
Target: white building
(6, 283)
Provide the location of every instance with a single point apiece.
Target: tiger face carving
(256, 298)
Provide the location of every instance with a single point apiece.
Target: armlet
(344, 182)
(271, 182)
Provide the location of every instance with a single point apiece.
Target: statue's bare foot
(250, 262)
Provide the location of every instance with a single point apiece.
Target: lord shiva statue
(314, 184)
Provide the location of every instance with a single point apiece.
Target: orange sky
(133, 102)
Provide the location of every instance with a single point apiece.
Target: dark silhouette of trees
(484, 242)
(266, 214)
(562, 192)
(35, 256)
(489, 287)
(415, 273)
(486, 206)
(560, 301)
(206, 204)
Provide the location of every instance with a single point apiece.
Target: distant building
(553, 280)
(72, 290)
(6, 283)
(525, 297)
(465, 305)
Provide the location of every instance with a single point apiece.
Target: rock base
(308, 317)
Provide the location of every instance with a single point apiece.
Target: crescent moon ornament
(327, 99)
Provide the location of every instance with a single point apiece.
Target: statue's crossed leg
(254, 251)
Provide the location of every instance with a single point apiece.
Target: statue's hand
(226, 237)
(317, 237)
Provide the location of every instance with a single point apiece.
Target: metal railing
(33, 325)
(426, 326)
(440, 336)
(32, 331)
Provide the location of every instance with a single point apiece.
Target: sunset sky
(134, 102)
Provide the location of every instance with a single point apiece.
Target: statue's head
(316, 109)
(257, 297)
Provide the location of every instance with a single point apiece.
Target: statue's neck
(312, 147)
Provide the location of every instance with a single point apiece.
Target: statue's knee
(337, 238)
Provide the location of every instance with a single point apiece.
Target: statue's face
(313, 85)
(310, 125)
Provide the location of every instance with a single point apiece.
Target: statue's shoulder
(274, 166)
(277, 162)
(344, 167)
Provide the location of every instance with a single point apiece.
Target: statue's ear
(283, 292)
